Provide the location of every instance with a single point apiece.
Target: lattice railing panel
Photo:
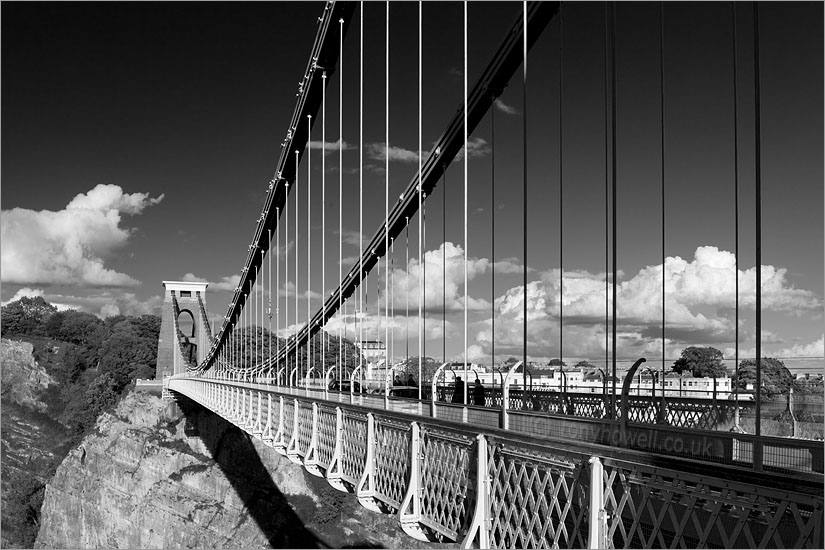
(326, 435)
(354, 446)
(304, 427)
(447, 490)
(539, 500)
(589, 407)
(652, 508)
(392, 460)
(289, 422)
(272, 411)
(700, 416)
(643, 411)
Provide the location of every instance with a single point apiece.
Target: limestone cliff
(159, 475)
(22, 378)
(33, 442)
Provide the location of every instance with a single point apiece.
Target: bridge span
(448, 473)
(528, 469)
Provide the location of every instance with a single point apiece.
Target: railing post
(505, 398)
(365, 490)
(482, 523)
(333, 473)
(266, 435)
(628, 378)
(409, 514)
(293, 448)
(249, 424)
(279, 444)
(433, 408)
(597, 516)
(239, 403)
(311, 462)
(257, 429)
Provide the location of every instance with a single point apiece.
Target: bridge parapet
(494, 488)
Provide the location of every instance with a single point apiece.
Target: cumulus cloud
(443, 279)
(25, 292)
(374, 326)
(70, 246)
(812, 349)
(699, 304)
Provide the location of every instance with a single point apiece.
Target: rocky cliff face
(32, 442)
(22, 379)
(158, 475)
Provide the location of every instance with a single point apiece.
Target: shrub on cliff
(86, 406)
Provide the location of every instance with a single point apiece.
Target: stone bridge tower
(184, 315)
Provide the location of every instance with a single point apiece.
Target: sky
(139, 139)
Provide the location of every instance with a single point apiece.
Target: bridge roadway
(451, 472)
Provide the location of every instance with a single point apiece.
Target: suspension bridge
(523, 465)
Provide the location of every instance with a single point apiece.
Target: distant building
(375, 370)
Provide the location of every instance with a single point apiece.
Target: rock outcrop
(22, 379)
(161, 475)
(33, 442)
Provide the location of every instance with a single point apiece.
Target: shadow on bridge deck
(238, 459)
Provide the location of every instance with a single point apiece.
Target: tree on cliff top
(776, 378)
(26, 316)
(701, 362)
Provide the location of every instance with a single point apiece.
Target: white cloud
(103, 304)
(192, 278)
(504, 108)
(69, 247)
(443, 287)
(229, 283)
(478, 147)
(699, 305)
(331, 146)
(25, 292)
(378, 151)
(813, 349)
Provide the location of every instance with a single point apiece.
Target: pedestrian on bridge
(478, 393)
(458, 390)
